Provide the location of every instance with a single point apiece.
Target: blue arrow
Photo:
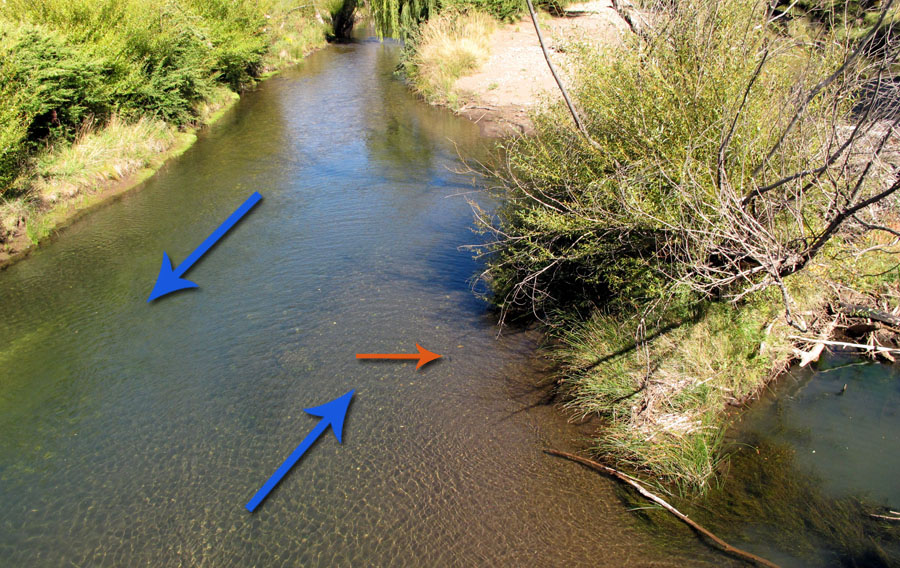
(333, 414)
(170, 280)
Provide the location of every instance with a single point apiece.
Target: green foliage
(401, 18)
(65, 62)
(582, 226)
(504, 10)
(829, 12)
(61, 85)
(14, 122)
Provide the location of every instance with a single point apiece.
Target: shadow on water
(810, 465)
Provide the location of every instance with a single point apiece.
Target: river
(134, 433)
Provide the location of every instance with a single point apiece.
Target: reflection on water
(133, 434)
(811, 463)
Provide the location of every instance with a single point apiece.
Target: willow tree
(342, 19)
(400, 17)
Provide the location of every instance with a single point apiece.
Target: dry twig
(665, 505)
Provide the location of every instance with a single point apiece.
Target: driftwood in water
(886, 517)
(813, 354)
(807, 357)
(856, 310)
(662, 503)
(877, 348)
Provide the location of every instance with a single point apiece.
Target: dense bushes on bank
(63, 62)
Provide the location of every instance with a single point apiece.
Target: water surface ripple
(133, 433)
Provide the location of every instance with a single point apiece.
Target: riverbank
(68, 195)
(82, 132)
(500, 81)
(660, 340)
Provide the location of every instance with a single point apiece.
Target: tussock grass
(66, 172)
(664, 398)
(445, 49)
(664, 388)
(110, 153)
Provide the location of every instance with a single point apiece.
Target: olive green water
(812, 462)
(134, 433)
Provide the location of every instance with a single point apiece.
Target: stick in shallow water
(662, 503)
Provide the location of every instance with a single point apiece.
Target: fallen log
(877, 348)
(859, 311)
(885, 517)
(662, 503)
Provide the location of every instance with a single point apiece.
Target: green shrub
(14, 122)
(63, 84)
(400, 18)
(504, 10)
(679, 123)
(65, 62)
(166, 66)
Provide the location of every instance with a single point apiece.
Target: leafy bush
(14, 122)
(504, 10)
(686, 126)
(401, 18)
(63, 84)
(63, 62)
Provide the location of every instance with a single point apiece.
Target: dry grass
(446, 48)
(13, 213)
(66, 173)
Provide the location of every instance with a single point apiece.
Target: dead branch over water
(665, 505)
(559, 83)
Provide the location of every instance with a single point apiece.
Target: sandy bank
(515, 80)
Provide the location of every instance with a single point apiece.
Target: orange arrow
(424, 356)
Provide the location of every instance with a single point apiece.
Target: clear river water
(133, 434)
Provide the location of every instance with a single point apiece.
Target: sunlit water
(134, 433)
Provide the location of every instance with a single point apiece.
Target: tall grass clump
(725, 154)
(444, 49)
